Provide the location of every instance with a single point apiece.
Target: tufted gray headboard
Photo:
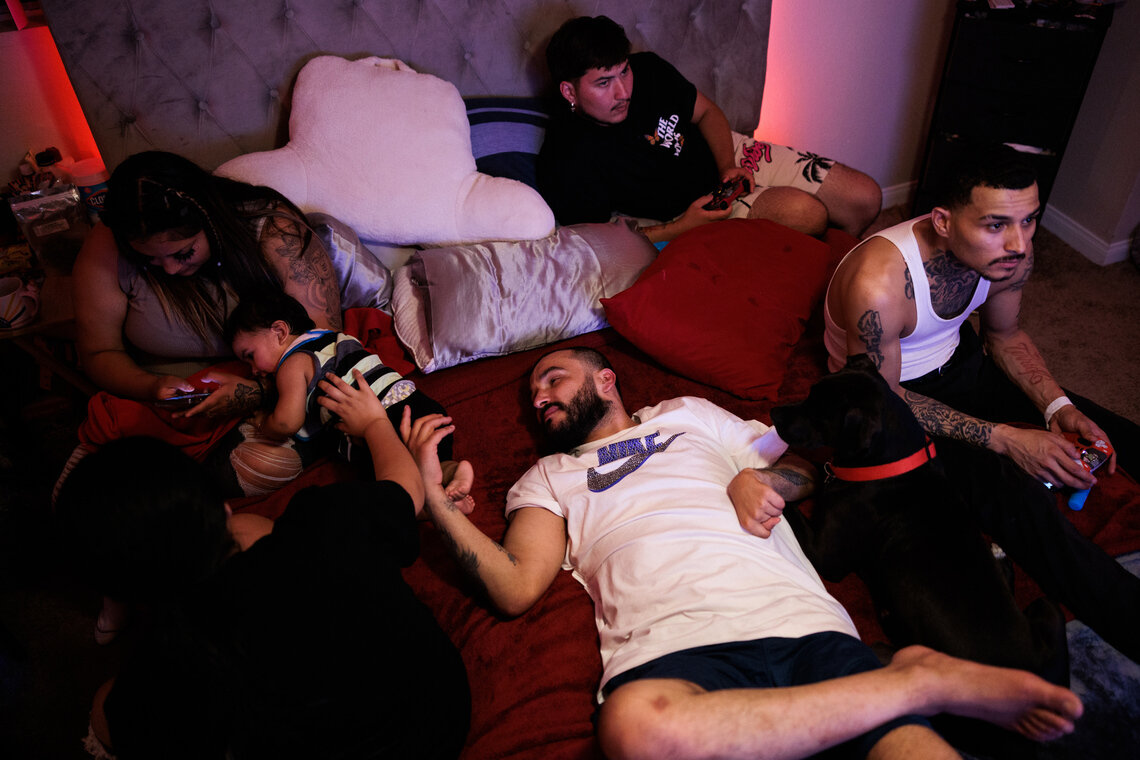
(210, 79)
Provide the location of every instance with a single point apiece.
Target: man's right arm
(877, 300)
(516, 572)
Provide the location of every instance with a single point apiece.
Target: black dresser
(1014, 75)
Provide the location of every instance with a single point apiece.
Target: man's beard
(583, 414)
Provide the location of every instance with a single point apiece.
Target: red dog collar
(884, 471)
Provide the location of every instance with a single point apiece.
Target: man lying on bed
(658, 151)
(689, 606)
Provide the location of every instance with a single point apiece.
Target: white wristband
(1054, 407)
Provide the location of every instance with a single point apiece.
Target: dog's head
(854, 411)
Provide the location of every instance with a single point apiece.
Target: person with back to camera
(904, 297)
(259, 639)
(656, 151)
(716, 641)
(271, 332)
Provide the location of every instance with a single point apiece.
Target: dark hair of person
(260, 309)
(143, 520)
(584, 43)
(591, 358)
(157, 192)
(997, 166)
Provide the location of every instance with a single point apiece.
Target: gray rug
(1109, 684)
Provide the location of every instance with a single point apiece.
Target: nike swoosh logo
(598, 481)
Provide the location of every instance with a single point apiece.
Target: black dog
(889, 512)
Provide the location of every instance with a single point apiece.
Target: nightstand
(54, 322)
(1017, 76)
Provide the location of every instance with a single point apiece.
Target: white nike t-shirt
(653, 537)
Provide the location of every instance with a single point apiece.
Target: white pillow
(387, 150)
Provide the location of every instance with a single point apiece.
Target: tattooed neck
(952, 284)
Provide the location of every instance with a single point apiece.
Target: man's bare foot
(458, 487)
(1013, 699)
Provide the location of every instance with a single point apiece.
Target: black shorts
(773, 663)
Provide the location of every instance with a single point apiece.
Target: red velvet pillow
(725, 303)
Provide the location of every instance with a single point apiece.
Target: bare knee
(793, 208)
(637, 721)
(853, 199)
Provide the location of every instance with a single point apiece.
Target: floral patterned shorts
(777, 166)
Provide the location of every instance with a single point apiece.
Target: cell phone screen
(183, 399)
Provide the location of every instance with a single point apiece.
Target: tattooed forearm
(870, 329)
(939, 419)
(467, 557)
(791, 484)
(247, 398)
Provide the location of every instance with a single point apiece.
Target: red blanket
(533, 678)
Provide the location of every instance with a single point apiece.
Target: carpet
(1109, 685)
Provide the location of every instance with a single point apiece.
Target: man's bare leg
(673, 718)
(791, 207)
(852, 198)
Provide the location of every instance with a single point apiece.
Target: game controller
(726, 193)
(1092, 455)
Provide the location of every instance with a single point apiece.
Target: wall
(855, 81)
(40, 108)
(1095, 205)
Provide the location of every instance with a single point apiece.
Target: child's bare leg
(458, 479)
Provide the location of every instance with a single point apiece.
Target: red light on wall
(40, 106)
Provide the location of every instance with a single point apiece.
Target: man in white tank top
(902, 295)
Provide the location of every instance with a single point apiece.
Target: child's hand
(357, 406)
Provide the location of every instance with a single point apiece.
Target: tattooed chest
(952, 285)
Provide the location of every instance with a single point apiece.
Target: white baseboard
(900, 195)
(1088, 244)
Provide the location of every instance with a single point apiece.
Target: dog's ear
(859, 429)
(862, 362)
(794, 427)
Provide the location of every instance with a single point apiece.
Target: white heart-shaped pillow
(387, 150)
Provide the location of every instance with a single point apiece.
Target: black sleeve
(568, 181)
(659, 81)
(373, 519)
